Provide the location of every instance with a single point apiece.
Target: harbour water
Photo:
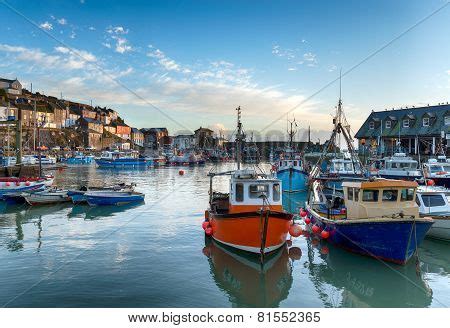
(156, 255)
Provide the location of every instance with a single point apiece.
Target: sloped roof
(416, 126)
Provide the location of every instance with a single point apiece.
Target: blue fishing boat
(95, 198)
(382, 219)
(290, 168)
(118, 159)
(80, 158)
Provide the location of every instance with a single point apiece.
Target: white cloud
(165, 62)
(310, 58)
(332, 68)
(292, 68)
(122, 45)
(46, 26)
(73, 35)
(91, 28)
(62, 21)
(107, 45)
(117, 30)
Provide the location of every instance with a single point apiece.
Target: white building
(184, 141)
(11, 86)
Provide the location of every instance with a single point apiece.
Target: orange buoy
(307, 220)
(208, 231)
(295, 230)
(181, 172)
(315, 229)
(205, 225)
(295, 253)
(324, 234)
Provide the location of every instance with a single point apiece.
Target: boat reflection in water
(362, 282)
(99, 212)
(245, 280)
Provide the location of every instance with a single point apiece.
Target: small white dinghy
(48, 196)
(433, 202)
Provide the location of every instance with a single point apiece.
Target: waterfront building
(152, 137)
(137, 137)
(204, 138)
(123, 131)
(87, 123)
(13, 87)
(415, 130)
(183, 141)
(110, 128)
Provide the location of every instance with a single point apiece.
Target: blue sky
(198, 60)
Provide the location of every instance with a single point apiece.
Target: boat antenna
(239, 138)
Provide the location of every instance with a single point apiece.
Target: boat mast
(239, 137)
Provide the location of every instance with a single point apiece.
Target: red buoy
(324, 234)
(208, 231)
(430, 182)
(8, 184)
(181, 172)
(307, 220)
(205, 225)
(315, 229)
(295, 230)
(17, 183)
(324, 250)
(303, 213)
(27, 183)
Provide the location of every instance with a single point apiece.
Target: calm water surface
(155, 255)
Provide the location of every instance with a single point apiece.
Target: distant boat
(116, 159)
(45, 197)
(438, 170)
(79, 196)
(398, 166)
(95, 198)
(80, 158)
(188, 158)
(433, 202)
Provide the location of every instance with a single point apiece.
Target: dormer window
(447, 120)
(372, 125)
(406, 123)
(426, 121)
(388, 124)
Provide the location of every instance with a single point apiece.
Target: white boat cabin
(398, 165)
(437, 168)
(433, 200)
(380, 198)
(286, 164)
(342, 166)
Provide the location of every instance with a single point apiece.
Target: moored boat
(14, 184)
(438, 170)
(398, 166)
(45, 197)
(95, 198)
(79, 196)
(433, 202)
(250, 217)
(118, 159)
(382, 219)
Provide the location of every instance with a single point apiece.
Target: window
(426, 121)
(239, 192)
(257, 191)
(388, 124)
(436, 168)
(407, 194)
(406, 123)
(390, 195)
(447, 120)
(350, 193)
(295, 163)
(371, 125)
(433, 200)
(276, 192)
(356, 193)
(370, 195)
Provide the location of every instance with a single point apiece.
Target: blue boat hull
(394, 240)
(86, 160)
(102, 201)
(124, 162)
(293, 180)
(77, 196)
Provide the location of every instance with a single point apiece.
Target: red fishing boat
(250, 216)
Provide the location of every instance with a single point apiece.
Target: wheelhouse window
(371, 125)
(390, 195)
(370, 195)
(239, 192)
(348, 167)
(433, 200)
(406, 123)
(295, 163)
(276, 192)
(350, 193)
(426, 121)
(436, 168)
(356, 194)
(407, 194)
(259, 190)
(388, 124)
